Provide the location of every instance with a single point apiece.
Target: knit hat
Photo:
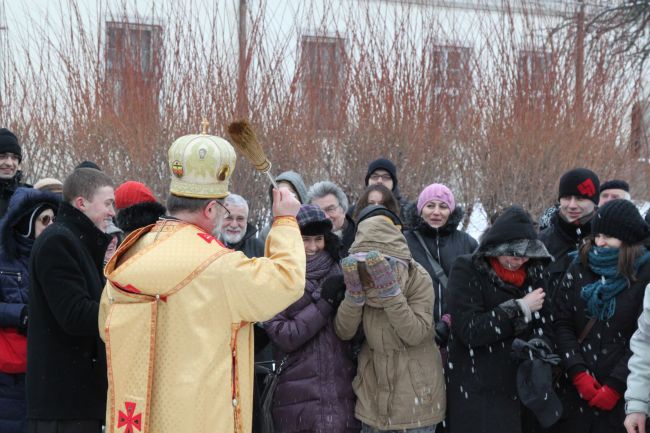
(9, 143)
(622, 220)
(580, 182)
(313, 221)
(615, 184)
(436, 191)
(382, 164)
(132, 192)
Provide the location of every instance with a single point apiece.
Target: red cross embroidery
(129, 419)
(209, 238)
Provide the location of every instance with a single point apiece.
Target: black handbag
(270, 384)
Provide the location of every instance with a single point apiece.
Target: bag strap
(437, 269)
(590, 324)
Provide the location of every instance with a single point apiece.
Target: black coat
(561, 238)
(604, 352)
(66, 360)
(347, 238)
(7, 189)
(249, 244)
(481, 389)
(445, 244)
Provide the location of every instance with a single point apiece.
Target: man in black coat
(66, 360)
(236, 232)
(578, 196)
(11, 156)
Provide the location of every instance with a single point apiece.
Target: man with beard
(10, 175)
(235, 231)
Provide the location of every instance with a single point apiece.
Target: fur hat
(313, 221)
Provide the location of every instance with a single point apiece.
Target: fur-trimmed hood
(139, 215)
(22, 203)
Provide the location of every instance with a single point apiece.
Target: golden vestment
(176, 315)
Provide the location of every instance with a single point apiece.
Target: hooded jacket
(482, 390)
(14, 284)
(7, 189)
(399, 382)
(294, 179)
(445, 244)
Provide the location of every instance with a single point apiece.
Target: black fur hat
(139, 215)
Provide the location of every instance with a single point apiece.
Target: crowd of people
(119, 313)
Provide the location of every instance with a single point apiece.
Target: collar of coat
(84, 229)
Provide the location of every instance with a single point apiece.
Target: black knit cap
(313, 221)
(580, 182)
(513, 224)
(9, 143)
(88, 164)
(383, 164)
(615, 184)
(622, 220)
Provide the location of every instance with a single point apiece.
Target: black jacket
(7, 189)
(347, 238)
(445, 244)
(604, 352)
(66, 360)
(481, 389)
(560, 238)
(139, 215)
(249, 244)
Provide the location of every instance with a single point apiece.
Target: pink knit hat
(436, 191)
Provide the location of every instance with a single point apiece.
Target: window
(533, 69)
(451, 81)
(321, 69)
(132, 61)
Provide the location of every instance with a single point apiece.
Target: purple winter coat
(314, 392)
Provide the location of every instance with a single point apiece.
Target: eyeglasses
(46, 219)
(383, 177)
(331, 209)
(224, 208)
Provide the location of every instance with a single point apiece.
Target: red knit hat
(132, 192)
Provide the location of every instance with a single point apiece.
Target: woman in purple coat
(314, 392)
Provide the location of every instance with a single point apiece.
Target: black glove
(543, 351)
(442, 333)
(333, 290)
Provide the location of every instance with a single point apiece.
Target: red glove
(605, 399)
(586, 385)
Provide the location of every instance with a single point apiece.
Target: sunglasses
(46, 219)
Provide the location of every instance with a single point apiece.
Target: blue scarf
(601, 294)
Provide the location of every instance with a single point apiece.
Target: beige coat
(399, 382)
(176, 316)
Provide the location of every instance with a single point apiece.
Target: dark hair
(84, 182)
(627, 255)
(176, 203)
(388, 200)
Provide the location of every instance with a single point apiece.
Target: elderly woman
(435, 243)
(30, 212)
(597, 308)
(399, 383)
(493, 299)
